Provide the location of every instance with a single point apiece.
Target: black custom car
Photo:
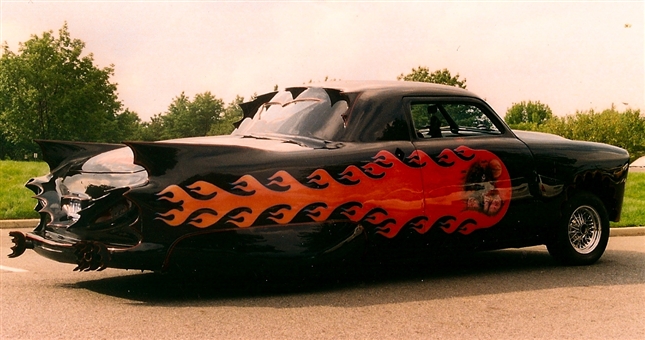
(336, 172)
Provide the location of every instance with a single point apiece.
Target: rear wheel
(582, 233)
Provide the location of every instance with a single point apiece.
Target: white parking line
(10, 269)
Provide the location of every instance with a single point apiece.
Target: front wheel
(582, 233)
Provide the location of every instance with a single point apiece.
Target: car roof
(393, 87)
(375, 89)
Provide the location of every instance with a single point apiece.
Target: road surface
(509, 294)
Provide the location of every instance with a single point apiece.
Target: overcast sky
(568, 55)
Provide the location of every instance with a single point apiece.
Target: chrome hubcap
(584, 229)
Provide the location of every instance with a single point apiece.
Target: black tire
(582, 232)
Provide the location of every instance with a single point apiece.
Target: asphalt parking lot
(507, 294)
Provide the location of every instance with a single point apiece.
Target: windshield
(310, 115)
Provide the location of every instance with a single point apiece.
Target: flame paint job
(387, 192)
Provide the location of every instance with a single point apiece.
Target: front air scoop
(117, 161)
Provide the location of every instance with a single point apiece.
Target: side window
(442, 119)
(469, 116)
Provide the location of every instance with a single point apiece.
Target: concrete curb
(627, 231)
(14, 224)
(21, 224)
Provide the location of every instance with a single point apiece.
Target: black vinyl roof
(376, 89)
(394, 87)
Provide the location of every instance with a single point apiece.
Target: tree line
(49, 90)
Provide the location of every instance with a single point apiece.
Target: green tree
(422, 74)
(152, 130)
(523, 115)
(185, 118)
(232, 114)
(49, 90)
(127, 126)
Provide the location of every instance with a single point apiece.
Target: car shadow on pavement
(484, 273)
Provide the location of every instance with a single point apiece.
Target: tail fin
(56, 153)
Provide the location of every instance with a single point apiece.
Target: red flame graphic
(462, 190)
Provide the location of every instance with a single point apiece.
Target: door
(477, 177)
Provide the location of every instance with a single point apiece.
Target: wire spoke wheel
(584, 229)
(581, 236)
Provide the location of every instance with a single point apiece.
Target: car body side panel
(358, 184)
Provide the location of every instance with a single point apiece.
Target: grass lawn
(16, 201)
(634, 204)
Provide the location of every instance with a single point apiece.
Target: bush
(623, 129)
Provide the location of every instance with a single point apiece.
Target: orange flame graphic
(387, 192)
